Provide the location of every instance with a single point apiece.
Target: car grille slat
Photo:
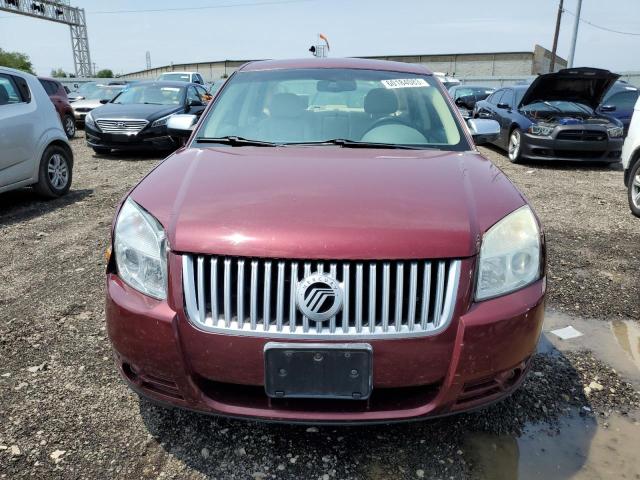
(236, 295)
(121, 126)
(583, 135)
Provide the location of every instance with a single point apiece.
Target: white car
(34, 149)
(189, 77)
(631, 161)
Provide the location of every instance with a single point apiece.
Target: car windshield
(480, 92)
(103, 93)
(175, 77)
(320, 105)
(560, 106)
(151, 94)
(87, 88)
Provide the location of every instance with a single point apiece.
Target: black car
(466, 97)
(137, 117)
(555, 117)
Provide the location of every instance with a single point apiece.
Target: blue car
(619, 102)
(555, 118)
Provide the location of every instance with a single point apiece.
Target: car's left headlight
(140, 247)
(541, 130)
(161, 121)
(615, 132)
(90, 122)
(510, 256)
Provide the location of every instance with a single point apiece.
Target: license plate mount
(318, 370)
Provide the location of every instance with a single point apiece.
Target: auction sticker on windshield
(405, 83)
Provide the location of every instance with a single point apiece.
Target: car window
(151, 94)
(495, 98)
(9, 92)
(316, 105)
(192, 94)
(48, 86)
(175, 77)
(507, 97)
(623, 100)
(202, 92)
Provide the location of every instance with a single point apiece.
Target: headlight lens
(541, 130)
(615, 132)
(510, 255)
(89, 121)
(141, 250)
(161, 121)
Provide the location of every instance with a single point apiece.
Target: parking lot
(66, 414)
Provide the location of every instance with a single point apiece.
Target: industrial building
(461, 65)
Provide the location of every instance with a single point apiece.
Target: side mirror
(483, 130)
(504, 106)
(194, 103)
(607, 108)
(104, 101)
(181, 125)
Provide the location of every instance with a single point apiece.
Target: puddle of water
(627, 333)
(580, 450)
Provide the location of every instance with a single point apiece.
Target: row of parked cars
(575, 114)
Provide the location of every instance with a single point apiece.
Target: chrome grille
(126, 127)
(258, 296)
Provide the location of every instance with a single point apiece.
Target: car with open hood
(555, 118)
(328, 246)
(136, 118)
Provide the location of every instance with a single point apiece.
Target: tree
(59, 73)
(105, 73)
(16, 60)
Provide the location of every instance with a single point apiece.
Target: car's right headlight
(541, 130)
(510, 256)
(140, 246)
(90, 122)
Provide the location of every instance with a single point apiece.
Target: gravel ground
(64, 413)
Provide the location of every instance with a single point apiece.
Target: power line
(606, 29)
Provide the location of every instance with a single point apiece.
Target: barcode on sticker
(405, 83)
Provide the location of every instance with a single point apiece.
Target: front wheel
(634, 189)
(515, 146)
(55, 174)
(69, 124)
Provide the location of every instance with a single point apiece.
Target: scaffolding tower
(59, 11)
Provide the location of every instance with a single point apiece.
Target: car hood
(142, 111)
(87, 104)
(583, 85)
(327, 202)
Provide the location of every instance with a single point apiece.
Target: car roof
(14, 71)
(177, 73)
(163, 83)
(357, 63)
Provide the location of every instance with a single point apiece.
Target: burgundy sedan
(328, 246)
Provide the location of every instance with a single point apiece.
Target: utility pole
(552, 65)
(574, 37)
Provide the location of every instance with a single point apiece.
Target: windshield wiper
(235, 141)
(343, 142)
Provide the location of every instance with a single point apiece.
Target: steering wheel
(387, 121)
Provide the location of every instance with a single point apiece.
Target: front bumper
(551, 148)
(481, 357)
(148, 139)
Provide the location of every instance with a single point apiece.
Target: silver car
(34, 149)
(95, 99)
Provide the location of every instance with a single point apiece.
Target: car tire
(101, 150)
(633, 189)
(514, 146)
(69, 125)
(55, 173)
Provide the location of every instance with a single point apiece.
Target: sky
(252, 29)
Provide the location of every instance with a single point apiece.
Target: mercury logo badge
(319, 296)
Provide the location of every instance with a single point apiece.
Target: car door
(18, 120)
(504, 111)
(195, 103)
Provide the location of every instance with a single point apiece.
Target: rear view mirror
(104, 101)
(483, 130)
(608, 108)
(335, 86)
(181, 125)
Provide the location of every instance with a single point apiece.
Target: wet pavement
(581, 444)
